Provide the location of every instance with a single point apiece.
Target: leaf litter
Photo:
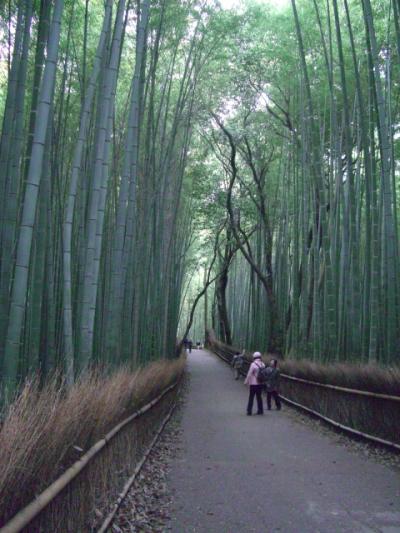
(147, 506)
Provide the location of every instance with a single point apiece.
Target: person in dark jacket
(272, 385)
(237, 363)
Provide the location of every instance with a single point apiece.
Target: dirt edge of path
(146, 508)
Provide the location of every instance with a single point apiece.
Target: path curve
(239, 474)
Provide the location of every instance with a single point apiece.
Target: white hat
(256, 355)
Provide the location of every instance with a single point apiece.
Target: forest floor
(216, 470)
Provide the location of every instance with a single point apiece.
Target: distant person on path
(256, 388)
(237, 363)
(198, 345)
(272, 384)
(190, 344)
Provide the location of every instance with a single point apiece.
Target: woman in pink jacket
(255, 387)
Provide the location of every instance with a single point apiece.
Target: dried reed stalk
(45, 431)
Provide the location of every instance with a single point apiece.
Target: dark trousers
(275, 395)
(255, 390)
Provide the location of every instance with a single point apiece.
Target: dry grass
(370, 378)
(46, 430)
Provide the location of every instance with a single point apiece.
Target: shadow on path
(239, 474)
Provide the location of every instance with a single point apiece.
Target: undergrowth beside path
(371, 378)
(46, 430)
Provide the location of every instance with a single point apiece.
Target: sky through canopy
(227, 4)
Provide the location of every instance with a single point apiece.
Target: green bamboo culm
(330, 192)
(95, 207)
(166, 167)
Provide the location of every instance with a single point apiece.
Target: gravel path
(267, 474)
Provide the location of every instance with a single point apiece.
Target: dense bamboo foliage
(347, 251)
(159, 154)
(303, 147)
(98, 106)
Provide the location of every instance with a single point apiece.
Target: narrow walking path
(239, 474)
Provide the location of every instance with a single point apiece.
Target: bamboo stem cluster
(332, 227)
(92, 247)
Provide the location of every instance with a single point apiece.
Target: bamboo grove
(152, 147)
(96, 128)
(304, 151)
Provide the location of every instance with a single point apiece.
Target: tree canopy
(153, 150)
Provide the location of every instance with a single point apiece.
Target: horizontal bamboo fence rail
(25, 517)
(343, 389)
(370, 415)
(109, 519)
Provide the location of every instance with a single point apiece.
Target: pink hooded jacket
(251, 378)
